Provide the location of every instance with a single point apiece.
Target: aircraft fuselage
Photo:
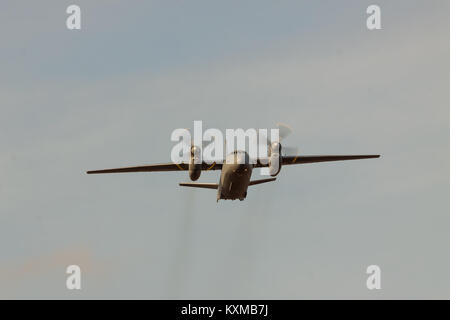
(235, 176)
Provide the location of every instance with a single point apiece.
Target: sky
(110, 95)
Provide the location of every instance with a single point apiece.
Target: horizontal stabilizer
(200, 185)
(261, 181)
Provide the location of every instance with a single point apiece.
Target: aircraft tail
(261, 181)
(199, 185)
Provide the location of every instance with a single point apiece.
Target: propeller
(194, 150)
(284, 131)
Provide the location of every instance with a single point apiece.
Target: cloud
(46, 270)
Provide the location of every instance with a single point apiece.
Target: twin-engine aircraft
(237, 168)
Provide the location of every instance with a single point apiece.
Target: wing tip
(97, 171)
(369, 156)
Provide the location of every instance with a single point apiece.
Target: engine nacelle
(275, 159)
(274, 164)
(195, 166)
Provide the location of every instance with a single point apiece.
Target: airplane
(236, 169)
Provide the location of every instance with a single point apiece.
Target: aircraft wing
(158, 167)
(323, 158)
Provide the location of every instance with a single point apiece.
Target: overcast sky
(111, 94)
